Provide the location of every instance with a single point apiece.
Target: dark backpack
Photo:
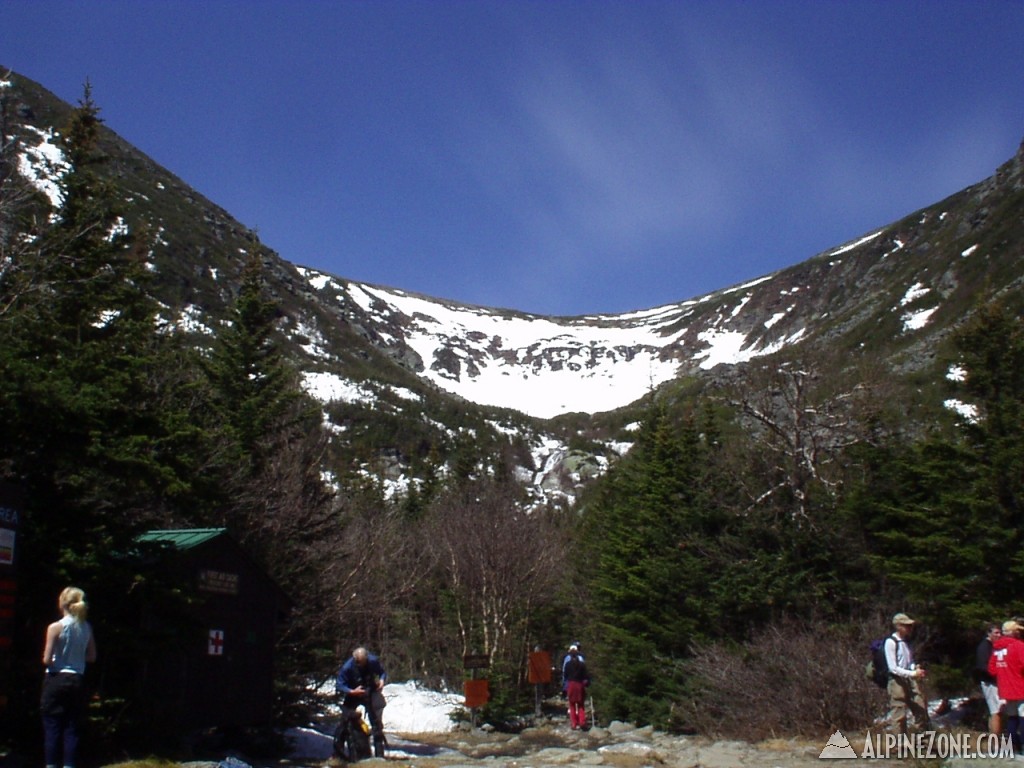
(352, 738)
(878, 667)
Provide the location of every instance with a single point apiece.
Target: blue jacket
(351, 675)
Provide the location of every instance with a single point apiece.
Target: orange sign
(540, 667)
(477, 693)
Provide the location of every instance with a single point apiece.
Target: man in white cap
(907, 707)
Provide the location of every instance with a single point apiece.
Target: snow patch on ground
(411, 710)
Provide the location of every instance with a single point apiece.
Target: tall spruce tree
(991, 350)
(84, 433)
(254, 387)
(271, 439)
(266, 462)
(643, 546)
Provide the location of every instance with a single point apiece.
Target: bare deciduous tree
(377, 560)
(781, 683)
(498, 562)
(799, 430)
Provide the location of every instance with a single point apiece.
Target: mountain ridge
(696, 334)
(401, 375)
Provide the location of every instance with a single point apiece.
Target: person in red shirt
(1007, 666)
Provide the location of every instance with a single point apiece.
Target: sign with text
(218, 582)
(11, 501)
(476, 661)
(6, 546)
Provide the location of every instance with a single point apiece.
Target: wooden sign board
(476, 661)
(477, 693)
(539, 670)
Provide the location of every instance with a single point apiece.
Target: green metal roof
(183, 538)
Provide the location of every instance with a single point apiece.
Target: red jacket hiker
(1006, 664)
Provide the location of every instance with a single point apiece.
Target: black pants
(63, 706)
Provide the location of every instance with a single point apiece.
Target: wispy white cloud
(605, 153)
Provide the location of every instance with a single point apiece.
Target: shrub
(792, 680)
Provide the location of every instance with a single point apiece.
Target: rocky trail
(422, 735)
(619, 745)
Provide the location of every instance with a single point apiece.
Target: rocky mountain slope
(404, 377)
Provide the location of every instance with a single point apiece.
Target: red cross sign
(216, 644)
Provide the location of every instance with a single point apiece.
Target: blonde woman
(69, 646)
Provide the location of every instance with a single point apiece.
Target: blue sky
(549, 156)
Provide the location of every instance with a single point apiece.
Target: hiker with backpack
(986, 680)
(907, 707)
(1007, 666)
(361, 682)
(565, 663)
(576, 679)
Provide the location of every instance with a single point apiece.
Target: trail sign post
(476, 692)
(539, 673)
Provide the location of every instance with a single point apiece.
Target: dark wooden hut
(11, 501)
(212, 665)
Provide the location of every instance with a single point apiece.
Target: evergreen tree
(926, 523)
(268, 448)
(80, 416)
(643, 544)
(951, 503)
(270, 438)
(84, 416)
(255, 390)
(991, 350)
(675, 557)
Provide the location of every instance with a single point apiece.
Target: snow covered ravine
(541, 366)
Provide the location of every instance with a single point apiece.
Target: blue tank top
(69, 650)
